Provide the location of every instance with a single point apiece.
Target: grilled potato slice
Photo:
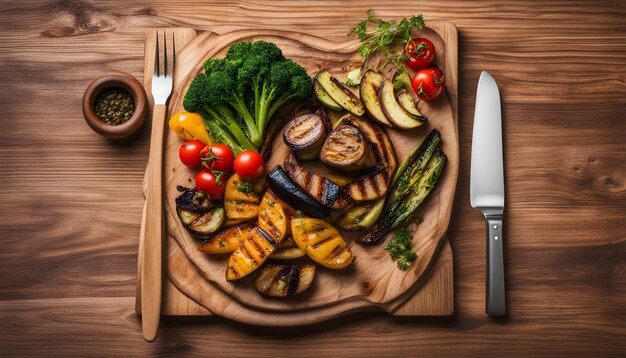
(241, 205)
(321, 242)
(284, 280)
(287, 250)
(228, 240)
(251, 254)
(272, 217)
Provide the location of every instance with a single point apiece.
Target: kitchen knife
(487, 184)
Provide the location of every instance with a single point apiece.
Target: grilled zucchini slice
(321, 242)
(284, 280)
(287, 250)
(340, 93)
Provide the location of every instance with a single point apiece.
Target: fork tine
(156, 55)
(173, 53)
(164, 55)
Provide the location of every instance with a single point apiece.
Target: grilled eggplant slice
(375, 185)
(199, 215)
(408, 104)
(227, 240)
(347, 149)
(320, 188)
(193, 200)
(251, 254)
(287, 250)
(328, 125)
(287, 190)
(340, 93)
(202, 223)
(305, 134)
(240, 200)
(272, 217)
(284, 280)
(368, 90)
(323, 97)
(394, 112)
(321, 242)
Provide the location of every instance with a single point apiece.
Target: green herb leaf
(245, 188)
(378, 35)
(399, 248)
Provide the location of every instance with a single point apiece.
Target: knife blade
(487, 185)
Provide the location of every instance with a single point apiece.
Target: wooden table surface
(70, 201)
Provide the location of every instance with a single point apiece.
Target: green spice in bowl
(115, 105)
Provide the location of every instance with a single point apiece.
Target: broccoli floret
(200, 98)
(294, 83)
(241, 92)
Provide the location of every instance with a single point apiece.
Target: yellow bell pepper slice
(189, 126)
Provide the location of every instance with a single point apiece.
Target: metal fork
(152, 259)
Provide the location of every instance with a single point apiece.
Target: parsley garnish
(245, 188)
(222, 243)
(378, 35)
(399, 248)
(270, 202)
(299, 214)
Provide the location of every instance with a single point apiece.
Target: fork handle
(152, 260)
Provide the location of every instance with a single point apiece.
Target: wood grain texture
(373, 281)
(68, 274)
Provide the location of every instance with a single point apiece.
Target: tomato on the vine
(429, 83)
(218, 157)
(249, 164)
(422, 53)
(212, 183)
(189, 153)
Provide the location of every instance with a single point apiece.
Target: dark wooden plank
(70, 201)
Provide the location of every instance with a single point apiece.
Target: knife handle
(495, 266)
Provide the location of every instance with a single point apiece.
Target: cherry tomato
(422, 53)
(189, 153)
(249, 164)
(212, 183)
(218, 157)
(429, 83)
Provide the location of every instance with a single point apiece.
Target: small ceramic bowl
(115, 80)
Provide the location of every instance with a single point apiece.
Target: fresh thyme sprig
(378, 35)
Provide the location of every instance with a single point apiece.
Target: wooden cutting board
(191, 290)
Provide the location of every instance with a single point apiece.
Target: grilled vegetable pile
(340, 168)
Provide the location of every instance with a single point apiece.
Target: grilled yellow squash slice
(321, 242)
(227, 240)
(272, 217)
(251, 254)
(240, 201)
